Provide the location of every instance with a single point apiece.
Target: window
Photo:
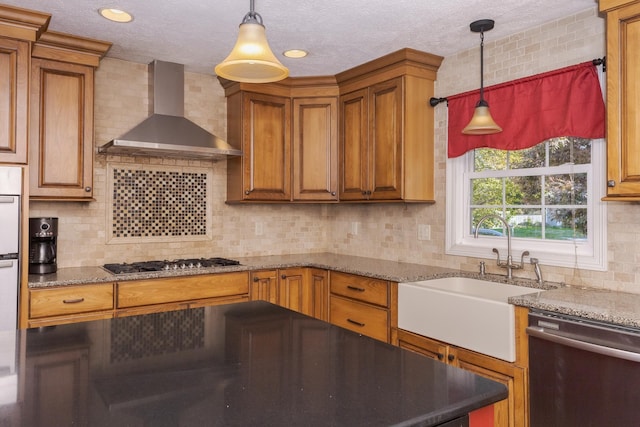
(550, 195)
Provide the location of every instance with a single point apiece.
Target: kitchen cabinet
(304, 290)
(315, 149)
(259, 124)
(288, 134)
(172, 293)
(623, 99)
(386, 150)
(14, 72)
(512, 411)
(19, 28)
(361, 304)
(68, 304)
(61, 116)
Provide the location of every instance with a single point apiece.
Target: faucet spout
(509, 264)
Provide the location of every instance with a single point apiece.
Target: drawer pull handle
(72, 301)
(355, 288)
(355, 323)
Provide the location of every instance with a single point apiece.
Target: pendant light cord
(481, 102)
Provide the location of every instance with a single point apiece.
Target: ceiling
(338, 34)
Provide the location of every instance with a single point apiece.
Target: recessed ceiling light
(295, 53)
(115, 15)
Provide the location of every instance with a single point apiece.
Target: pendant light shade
(251, 60)
(481, 123)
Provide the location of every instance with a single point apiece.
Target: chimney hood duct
(166, 132)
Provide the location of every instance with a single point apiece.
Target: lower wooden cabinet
(361, 304)
(78, 303)
(304, 290)
(68, 304)
(509, 412)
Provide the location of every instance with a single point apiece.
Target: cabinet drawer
(373, 291)
(358, 317)
(173, 289)
(70, 300)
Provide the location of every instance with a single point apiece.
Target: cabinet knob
(440, 356)
(247, 192)
(284, 276)
(87, 189)
(256, 279)
(333, 193)
(451, 358)
(611, 183)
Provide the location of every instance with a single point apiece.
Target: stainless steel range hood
(166, 132)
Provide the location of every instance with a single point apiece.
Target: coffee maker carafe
(43, 236)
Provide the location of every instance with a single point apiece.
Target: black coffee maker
(43, 236)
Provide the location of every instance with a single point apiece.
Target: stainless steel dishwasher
(582, 372)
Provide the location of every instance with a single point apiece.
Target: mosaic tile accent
(156, 334)
(148, 203)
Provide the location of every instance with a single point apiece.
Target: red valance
(564, 102)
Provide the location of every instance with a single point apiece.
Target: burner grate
(178, 264)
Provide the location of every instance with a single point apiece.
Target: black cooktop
(178, 264)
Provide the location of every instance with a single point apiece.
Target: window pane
(486, 191)
(489, 159)
(526, 223)
(569, 150)
(563, 224)
(566, 189)
(528, 158)
(525, 190)
(489, 227)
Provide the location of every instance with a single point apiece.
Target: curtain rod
(598, 61)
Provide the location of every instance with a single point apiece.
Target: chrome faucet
(536, 269)
(509, 264)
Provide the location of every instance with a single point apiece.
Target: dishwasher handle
(538, 332)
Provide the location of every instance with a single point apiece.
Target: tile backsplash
(159, 203)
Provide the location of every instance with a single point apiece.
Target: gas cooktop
(178, 264)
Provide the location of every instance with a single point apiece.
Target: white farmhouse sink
(468, 313)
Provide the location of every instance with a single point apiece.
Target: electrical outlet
(424, 232)
(355, 226)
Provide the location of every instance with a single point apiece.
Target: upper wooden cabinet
(288, 135)
(365, 134)
(14, 76)
(386, 128)
(623, 99)
(18, 29)
(61, 122)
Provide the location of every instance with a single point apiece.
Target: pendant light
(481, 123)
(251, 60)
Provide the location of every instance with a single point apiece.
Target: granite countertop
(620, 308)
(249, 363)
(604, 305)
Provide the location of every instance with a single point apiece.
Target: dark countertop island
(247, 364)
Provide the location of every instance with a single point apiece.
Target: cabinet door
(14, 97)
(264, 286)
(266, 147)
(425, 346)
(623, 102)
(293, 290)
(511, 411)
(320, 289)
(354, 137)
(61, 130)
(385, 140)
(315, 148)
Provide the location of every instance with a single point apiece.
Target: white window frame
(590, 254)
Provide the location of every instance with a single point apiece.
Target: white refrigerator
(10, 190)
